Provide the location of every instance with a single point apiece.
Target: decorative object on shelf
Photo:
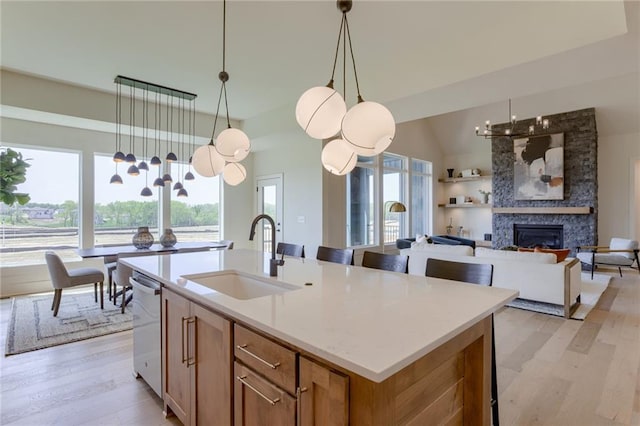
(488, 132)
(232, 145)
(367, 129)
(538, 171)
(143, 239)
(168, 238)
(485, 196)
(449, 227)
(452, 200)
(145, 87)
(450, 172)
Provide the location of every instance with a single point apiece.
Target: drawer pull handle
(266, 398)
(243, 349)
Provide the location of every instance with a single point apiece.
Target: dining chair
(474, 273)
(335, 255)
(120, 276)
(295, 250)
(62, 278)
(386, 262)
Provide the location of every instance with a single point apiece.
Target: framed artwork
(538, 171)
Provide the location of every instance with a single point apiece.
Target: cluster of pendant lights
(367, 129)
(175, 110)
(232, 145)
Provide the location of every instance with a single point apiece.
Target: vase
(142, 239)
(450, 172)
(168, 238)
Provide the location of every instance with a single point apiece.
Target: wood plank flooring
(551, 371)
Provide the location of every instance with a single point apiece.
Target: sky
(54, 178)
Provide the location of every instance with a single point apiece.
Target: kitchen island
(398, 348)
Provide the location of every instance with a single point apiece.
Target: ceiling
(276, 50)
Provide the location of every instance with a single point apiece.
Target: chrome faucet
(273, 263)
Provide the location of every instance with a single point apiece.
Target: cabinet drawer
(258, 402)
(267, 357)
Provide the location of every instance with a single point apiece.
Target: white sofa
(537, 276)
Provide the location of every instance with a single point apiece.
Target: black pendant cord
(223, 75)
(344, 56)
(145, 108)
(335, 58)
(191, 131)
(118, 118)
(130, 119)
(353, 60)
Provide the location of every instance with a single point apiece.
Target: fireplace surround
(545, 236)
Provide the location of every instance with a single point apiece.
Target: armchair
(620, 252)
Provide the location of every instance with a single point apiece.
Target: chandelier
(176, 110)
(488, 132)
(367, 129)
(232, 145)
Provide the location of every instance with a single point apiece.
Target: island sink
(240, 286)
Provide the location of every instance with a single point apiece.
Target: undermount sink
(240, 286)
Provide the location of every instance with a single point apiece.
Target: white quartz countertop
(371, 322)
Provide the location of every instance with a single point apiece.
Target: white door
(269, 193)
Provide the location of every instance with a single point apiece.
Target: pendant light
(118, 157)
(232, 145)
(155, 160)
(510, 132)
(368, 128)
(133, 169)
(189, 175)
(178, 185)
(142, 165)
(170, 155)
(130, 157)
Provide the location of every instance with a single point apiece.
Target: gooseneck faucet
(273, 263)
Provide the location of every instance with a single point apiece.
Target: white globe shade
(233, 145)
(369, 127)
(338, 157)
(234, 173)
(207, 162)
(319, 112)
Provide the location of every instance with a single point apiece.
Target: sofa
(402, 243)
(543, 283)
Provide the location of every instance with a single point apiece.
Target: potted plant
(485, 195)
(13, 170)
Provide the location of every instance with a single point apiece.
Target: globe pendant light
(338, 157)
(234, 173)
(368, 127)
(232, 145)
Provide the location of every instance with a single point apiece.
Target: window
(420, 197)
(361, 190)
(50, 219)
(369, 197)
(120, 209)
(394, 188)
(197, 216)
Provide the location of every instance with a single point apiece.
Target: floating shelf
(465, 206)
(543, 210)
(464, 179)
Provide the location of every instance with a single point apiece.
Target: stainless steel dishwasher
(146, 330)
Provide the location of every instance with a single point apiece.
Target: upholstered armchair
(620, 252)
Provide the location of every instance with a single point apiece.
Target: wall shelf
(464, 179)
(466, 206)
(543, 210)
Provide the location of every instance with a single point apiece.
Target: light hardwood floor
(551, 371)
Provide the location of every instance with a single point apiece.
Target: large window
(420, 197)
(195, 217)
(120, 209)
(361, 190)
(394, 189)
(370, 196)
(49, 221)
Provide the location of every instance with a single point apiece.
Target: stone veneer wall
(580, 181)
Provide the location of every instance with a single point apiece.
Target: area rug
(590, 292)
(32, 324)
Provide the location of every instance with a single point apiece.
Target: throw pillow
(561, 254)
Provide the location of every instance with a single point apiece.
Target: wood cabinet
(324, 395)
(196, 351)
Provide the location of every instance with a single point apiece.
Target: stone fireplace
(577, 213)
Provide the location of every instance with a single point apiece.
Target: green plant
(13, 170)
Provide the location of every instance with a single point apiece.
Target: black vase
(450, 171)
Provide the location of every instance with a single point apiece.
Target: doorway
(269, 202)
(635, 198)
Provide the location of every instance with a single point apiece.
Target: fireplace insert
(545, 236)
